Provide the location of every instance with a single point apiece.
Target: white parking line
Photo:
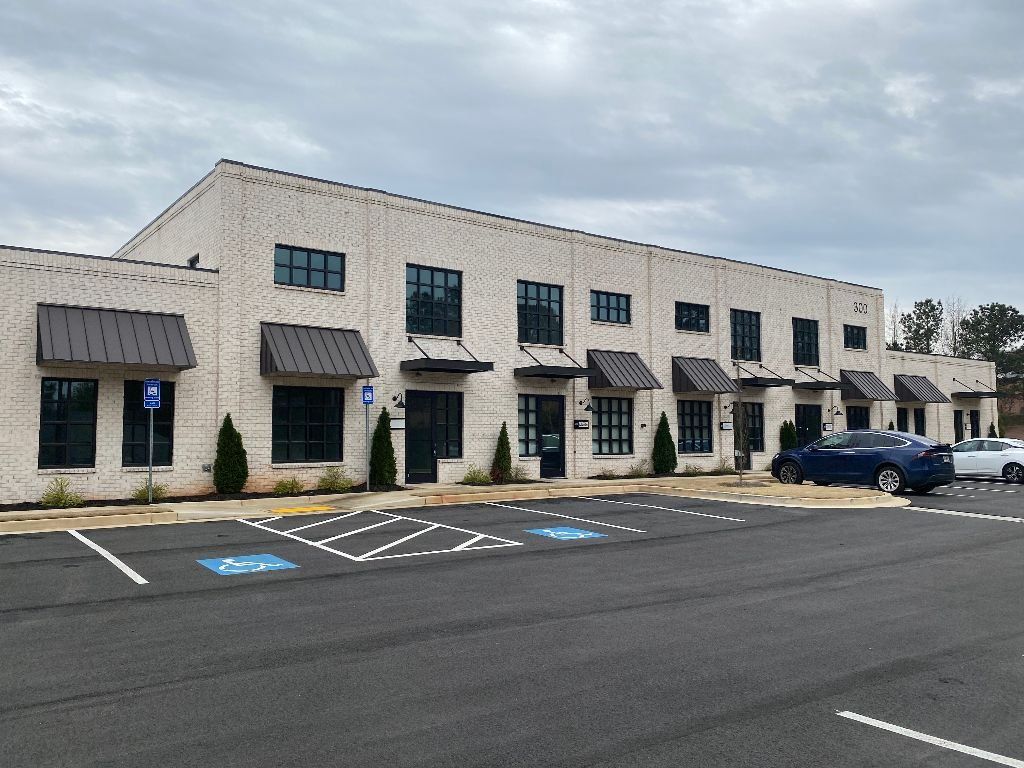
(667, 509)
(987, 490)
(967, 514)
(293, 537)
(565, 517)
(321, 522)
(992, 757)
(353, 533)
(119, 564)
(402, 540)
(957, 495)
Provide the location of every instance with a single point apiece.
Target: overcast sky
(879, 142)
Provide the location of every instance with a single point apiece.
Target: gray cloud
(878, 141)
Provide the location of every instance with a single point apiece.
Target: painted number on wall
(860, 307)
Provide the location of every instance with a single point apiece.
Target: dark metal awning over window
(970, 393)
(544, 371)
(88, 335)
(757, 380)
(301, 350)
(917, 389)
(428, 364)
(864, 385)
(815, 384)
(700, 376)
(620, 370)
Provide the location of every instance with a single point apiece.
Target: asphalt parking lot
(655, 631)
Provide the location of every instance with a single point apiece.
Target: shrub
(691, 470)
(788, 438)
(231, 467)
(725, 468)
(992, 430)
(59, 494)
(501, 467)
(607, 474)
(335, 480)
(141, 493)
(892, 427)
(383, 467)
(640, 469)
(663, 458)
(290, 487)
(476, 476)
(519, 474)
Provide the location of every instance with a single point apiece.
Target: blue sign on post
(367, 395)
(230, 566)
(567, 534)
(151, 393)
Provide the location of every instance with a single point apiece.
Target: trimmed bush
(501, 467)
(141, 494)
(892, 427)
(383, 467)
(290, 487)
(476, 476)
(231, 467)
(59, 494)
(788, 439)
(663, 458)
(992, 430)
(335, 480)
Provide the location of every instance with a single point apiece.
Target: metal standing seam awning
(700, 376)
(91, 335)
(620, 370)
(917, 389)
(301, 350)
(865, 385)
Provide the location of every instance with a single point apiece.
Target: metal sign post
(150, 401)
(367, 402)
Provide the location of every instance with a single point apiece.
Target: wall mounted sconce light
(398, 401)
(588, 408)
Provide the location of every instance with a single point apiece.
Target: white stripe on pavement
(293, 537)
(352, 533)
(667, 509)
(400, 541)
(967, 514)
(564, 517)
(321, 522)
(120, 565)
(992, 757)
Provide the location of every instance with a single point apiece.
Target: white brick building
(255, 230)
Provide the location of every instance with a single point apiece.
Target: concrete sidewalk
(759, 488)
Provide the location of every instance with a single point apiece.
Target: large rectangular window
(540, 313)
(755, 426)
(746, 335)
(309, 269)
(610, 307)
(135, 432)
(307, 424)
(67, 423)
(433, 301)
(858, 417)
(694, 426)
(902, 422)
(448, 425)
(528, 414)
(693, 317)
(920, 422)
(805, 341)
(613, 426)
(855, 337)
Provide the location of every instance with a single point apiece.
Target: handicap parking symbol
(567, 534)
(231, 566)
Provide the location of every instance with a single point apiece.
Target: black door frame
(801, 424)
(560, 399)
(429, 398)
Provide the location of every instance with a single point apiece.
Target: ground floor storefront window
(695, 434)
(67, 423)
(135, 433)
(613, 426)
(858, 417)
(307, 424)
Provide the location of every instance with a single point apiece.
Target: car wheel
(890, 479)
(1013, 473)
(790, 474)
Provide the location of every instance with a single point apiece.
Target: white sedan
(992, 457)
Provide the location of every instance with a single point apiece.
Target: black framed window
(433, 301)
(694, 426)
(307, 424)
(693, 317)
(540, 313)
(613, 426)
(67, 423)
(920, 422)
(309, 269)
(528, 413)
(746, 335)
(902, 420)
(858, 417)
(755, 426)
(855, 337)
(610, 307)
(805, 341)
(135, 423)
(448, 425)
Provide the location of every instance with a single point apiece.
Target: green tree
(231, 467)
(501, 467)
(891, 427)
(995, 332)
(922, 326)
(663, 458)
(383, 467)
(788, 438)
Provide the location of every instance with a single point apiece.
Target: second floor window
(746, 335)
(433, 301)
(855, 337)
(693, 317)
(309, 269)
(609, 307)
(540, 313)
(805, 342)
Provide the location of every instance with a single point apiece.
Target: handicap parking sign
(567, 534)
(231, 566)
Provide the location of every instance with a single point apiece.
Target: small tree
(992, 430)
(383, 467)
(501, 467)
(892, 427)
(663, 459)
(788, 438)
(231, 467)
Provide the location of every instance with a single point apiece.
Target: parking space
(638, 629)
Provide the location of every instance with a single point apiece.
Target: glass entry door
(551, 429)
(433, 430)
(958, 426)
(808, 424)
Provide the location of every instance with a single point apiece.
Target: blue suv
(892, 461)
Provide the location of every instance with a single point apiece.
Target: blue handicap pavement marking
(566, 534)
(230, 566)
